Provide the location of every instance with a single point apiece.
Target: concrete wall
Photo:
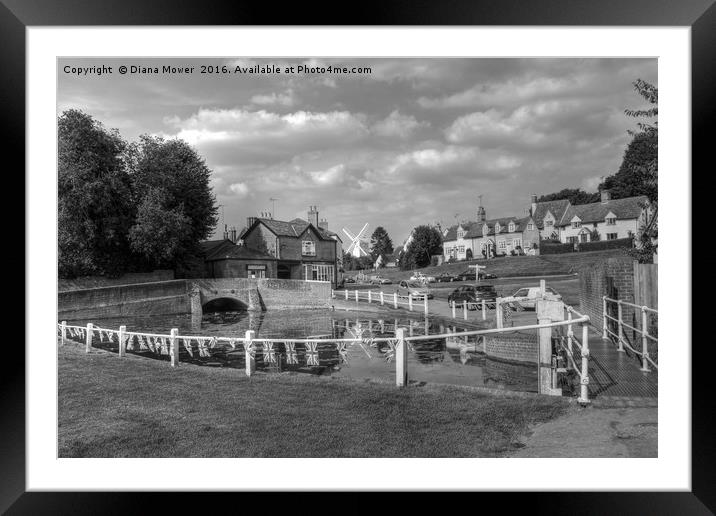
(164, 297)
(516, 348)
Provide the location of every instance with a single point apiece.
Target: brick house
(303, 249)
(227, 259)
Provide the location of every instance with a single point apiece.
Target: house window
(502, 244)
(548, 223)
(308, 248)
(572, 239)
(576, 224)
(485, 230)
(611, 221)
(530, 227)
(611, 236)
(255, 271)
(497, 228)
(511, 228)
(460, 234)
(318, 272)
(517, 242)
(461, 249)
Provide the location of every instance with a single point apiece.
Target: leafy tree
(177, 208)
(574, 195)
(348, 263)
(426, 241)
(95, 209)
(380, 244)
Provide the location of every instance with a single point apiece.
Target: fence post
(346, 291)
(570, 333)
(464, 310)
(401, 359)
(382, 300)
(356, 296)
(88, 338)
(425, 302)
(63, 329)
(453, 308)
(484, 310)
(410, 302)
(395, 300)
(498, 312)
(542, 287)
(644, 342)
(605, 335)
(174, 346)
(370, 297)
(621, 328)
(250, 359)
(584, 390)
(122, 344)
(544, 372)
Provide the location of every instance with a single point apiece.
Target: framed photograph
(418, 252)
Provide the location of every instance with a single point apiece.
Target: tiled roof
(627, 208)
(294, 228)
(557, 208)
(208, 245)
(474, 229)
(239, 252)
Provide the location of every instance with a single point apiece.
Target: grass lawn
(137, 407)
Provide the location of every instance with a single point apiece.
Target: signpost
(477, 268)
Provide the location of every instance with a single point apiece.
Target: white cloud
(398, 126)
(287, 99)
(240, 189)
(331, 176)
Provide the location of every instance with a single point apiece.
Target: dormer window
(611, 221)
(548, 223)
(511, 227)
(576, 224)
(497, 227)
(460, 233)
(485, 230)
(530, 227)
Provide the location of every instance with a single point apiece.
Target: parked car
(405, 288)
(473, 294)
(348, 280)
(377, 280)
(532, 293)
(445, 277)
(469, 275)
(422, 278)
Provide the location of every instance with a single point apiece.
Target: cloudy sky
(412, 141)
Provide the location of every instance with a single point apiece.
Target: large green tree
(574, 195)
(426, 241)
(176, 207)
(380, 244)
(95, 208)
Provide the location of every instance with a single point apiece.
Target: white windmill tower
(356, 249)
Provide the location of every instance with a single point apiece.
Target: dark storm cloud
(414, 141)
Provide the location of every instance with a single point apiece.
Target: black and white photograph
(311, 257)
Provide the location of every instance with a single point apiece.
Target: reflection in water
(455, 360)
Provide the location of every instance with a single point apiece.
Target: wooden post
(453, 309)
(401, 359)
(174, 347)
(382, 299)
(370, 297)
(122, 344)
(88, 338)
(346, 291)
(410, 302)
(484, 310)
(544, 371)
(425, 304)
(570, 333)
(63, 329)
(644, 341)
(464, 310)
(250, 360)
(584, 390)
(395, 299)
(498, 312)
(605, 335)
(619, 324)
(542, 287)
(356, 296)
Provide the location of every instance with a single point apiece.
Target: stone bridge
(192, 296)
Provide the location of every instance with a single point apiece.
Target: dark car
(473, 294)
(445, 277)
(469, 275)
(348, 280)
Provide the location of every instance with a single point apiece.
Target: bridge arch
(223, 304)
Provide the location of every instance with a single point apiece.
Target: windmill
(355, 248)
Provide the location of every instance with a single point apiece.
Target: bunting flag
(142, 344)
(250, 348)
(364, 350)
(232, 343)
(212, 342)
(369, 341)
(342, 352)
(269, 353)
(291, 356)
(130, 342)
(150, 343)
(203, 351)
(187, 346)
(312, 353)
(164, 347)
(110, 336)
(390, 354)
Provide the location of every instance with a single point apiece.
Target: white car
(418, 290)
(422, 278)
(532, 293)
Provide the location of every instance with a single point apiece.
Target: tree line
(129, 206)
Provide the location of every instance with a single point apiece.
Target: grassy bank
(134, 407)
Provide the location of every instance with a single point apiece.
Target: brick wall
(594, 282)
(521, 347)
(234, 268)
(101, 281)
(291, 248)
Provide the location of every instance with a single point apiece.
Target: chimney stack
(250, 221)
(323, 224)
(226, 232)
(606, 196)
(534, 205)
(313, 215)
(232, 234)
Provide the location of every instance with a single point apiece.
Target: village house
(558, 220)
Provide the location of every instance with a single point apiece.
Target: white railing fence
(384, 298)
(616, 328)
(393, 349)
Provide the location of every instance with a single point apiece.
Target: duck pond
(456, 360)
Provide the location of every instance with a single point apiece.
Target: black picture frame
(700, 15)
